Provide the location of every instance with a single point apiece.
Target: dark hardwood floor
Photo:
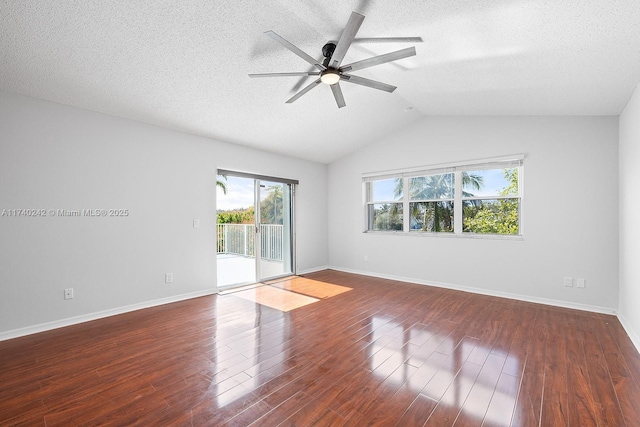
(384, 353)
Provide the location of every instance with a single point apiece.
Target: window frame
(506, 162)
(407, 184)
(370, 203)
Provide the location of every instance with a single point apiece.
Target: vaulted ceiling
(183, 65)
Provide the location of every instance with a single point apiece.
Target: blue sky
(239, 194)
(493, 182)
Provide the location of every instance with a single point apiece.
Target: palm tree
(436, 215)
(471, 181)
(222, 185)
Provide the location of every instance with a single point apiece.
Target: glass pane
(235, 231)
(431, 216)
(431, 187)
(385, 217)
(272, 207)
(491, 216)
(275, 229)
(492, 182)
(386, 190)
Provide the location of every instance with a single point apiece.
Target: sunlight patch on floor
(311, 287)
(289, 293)
(276, 298)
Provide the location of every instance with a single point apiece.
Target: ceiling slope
(184, 65)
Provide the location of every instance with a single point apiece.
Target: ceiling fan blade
(303, 91)
(367, 82)
(303, 73)
(363, 6)
(295, 50)
(296, 87)
(348, 34)
(380, 59)
(337, 94)
(388, 40)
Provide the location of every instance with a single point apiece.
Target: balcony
(236, 253)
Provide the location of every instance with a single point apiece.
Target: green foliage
(237, 216)
(388, 217)
(271, 211)
(498, 216)
(272, 207)
(495, 216)
(432, 216)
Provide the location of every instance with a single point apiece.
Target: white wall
(570, 210)
(629, 224)
(59, 157)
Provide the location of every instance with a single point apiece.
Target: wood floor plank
(528, 404)
(283, 410)
(418, 412)
(503, 402)
(448, 370)
(610, 412)
(383, 353)
(388, 411)
(454, 398)
(477, 402)
(624, 382)
(555, 404)
(582, 403)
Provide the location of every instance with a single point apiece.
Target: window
(384, 212)
(491, 202)
(431, 202)
(481, 198)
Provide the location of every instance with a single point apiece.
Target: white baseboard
(633, 335)
(313, 270)
(42, 327)
(519, 297)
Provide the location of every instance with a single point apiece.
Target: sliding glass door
(274, 228)
(255, 228)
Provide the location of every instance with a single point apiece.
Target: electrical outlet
(68, 293)
(168, 278)
(581, 283)
(568, 282)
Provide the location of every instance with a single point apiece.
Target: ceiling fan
(331, 72)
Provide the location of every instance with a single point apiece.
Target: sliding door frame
(257, 233)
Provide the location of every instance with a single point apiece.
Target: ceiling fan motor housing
(327, 52)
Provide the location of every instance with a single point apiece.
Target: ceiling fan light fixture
(330, 76)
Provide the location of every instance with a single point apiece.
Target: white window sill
(449, 235)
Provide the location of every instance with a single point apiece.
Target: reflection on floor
(289, 293)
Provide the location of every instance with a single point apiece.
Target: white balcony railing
(238, 239)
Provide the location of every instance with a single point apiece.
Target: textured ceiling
(183, 64)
